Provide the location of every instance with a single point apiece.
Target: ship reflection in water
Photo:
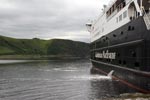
(55, 80)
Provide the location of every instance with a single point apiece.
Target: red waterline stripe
(125, 82)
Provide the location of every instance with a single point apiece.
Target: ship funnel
(88, 26)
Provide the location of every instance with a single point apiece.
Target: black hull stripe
(121, 44)
(142, 73)
(124, 82)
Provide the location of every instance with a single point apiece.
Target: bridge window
(102, 29)
(120, 17)
(117, 19)
(125, 14)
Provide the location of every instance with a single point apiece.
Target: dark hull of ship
(131, 66)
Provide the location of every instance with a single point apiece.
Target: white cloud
(49, 18)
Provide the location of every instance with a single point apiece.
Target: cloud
(48, 18)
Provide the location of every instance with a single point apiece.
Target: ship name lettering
(106, 55)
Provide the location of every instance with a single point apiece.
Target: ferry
(120, 43)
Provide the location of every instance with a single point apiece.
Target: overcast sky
(48, 19)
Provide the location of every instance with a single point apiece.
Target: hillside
(32, 47)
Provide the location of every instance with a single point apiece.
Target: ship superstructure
(118, 14)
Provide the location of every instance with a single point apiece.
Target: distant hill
(53, 47)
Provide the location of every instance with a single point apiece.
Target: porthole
(103, 40)
(124, 62)
(118, 54)
(114, 35)
(121, 33)
(136, 64)
(120, 61)
(133, 54)
(106, 38)
(132, 27)
(138, 14)
(129, 28)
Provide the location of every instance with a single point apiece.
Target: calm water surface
(54, 80)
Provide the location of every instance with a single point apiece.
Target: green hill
(34, 47)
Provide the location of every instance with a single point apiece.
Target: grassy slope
(59, 47)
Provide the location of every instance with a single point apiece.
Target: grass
(12, 47)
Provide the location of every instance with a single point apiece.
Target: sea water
(54, 80)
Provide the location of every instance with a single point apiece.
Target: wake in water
(90, 77)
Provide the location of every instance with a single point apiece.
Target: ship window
(124, 62)
(133, 54)
(137, 64)
(118, 54)
(129, 28)
(124, 4)
(125, 14)
(114, 35)
(121, 33)
(132, 27)
(109, 12)
(102, 29)
(112, 9)
(115, 6)
(104, 40)
(120, 17)
(120, 61)
(117, 19)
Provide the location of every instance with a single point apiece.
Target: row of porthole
(133, 53)
(124, 62)
(136, 64)
(114, 35)
(130, 28)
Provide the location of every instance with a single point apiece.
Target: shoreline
(40, 57)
